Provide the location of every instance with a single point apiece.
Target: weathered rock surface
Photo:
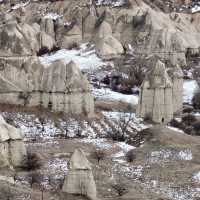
(13, 150)
(160, 95)
(60, 87)
(22, 38)
(80, 179)
(106, 44)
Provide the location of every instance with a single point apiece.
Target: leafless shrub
(177, 124)
(130, 156)
(196, 127)
(42, 51)
(99, 155)
(189, 130)
(73, 45)
(35, 178)
(196, 100)
(189, 119)
(6, 193)
(31, 162)
(120, 188)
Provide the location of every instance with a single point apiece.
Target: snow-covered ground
(113, 3)
(44, 128)
(168, 155)
(52, 15)
(195, 9)
(107, 94)
(196, 177)
(86, 59)
(189, 88)
(171, 191)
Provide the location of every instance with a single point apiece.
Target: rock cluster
(161, 95)
(80, 179)
(17, 38)
(59, 87)
(12, 148)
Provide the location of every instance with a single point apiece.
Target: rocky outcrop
(71, 37)
(59, 87)
(80, 179)
(22, 38)
(17, 39)
(106, 44)
(12, 148)
(161, 96)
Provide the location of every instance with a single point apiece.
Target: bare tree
(130, 156)
(120, 187)
(99, 154)
(34, 178)
(31, 161)
(122, 124)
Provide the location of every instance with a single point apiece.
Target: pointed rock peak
(176, 72)
(79, 161)
(73, 70)
(72, 64)
(158, 69)
(8, 132)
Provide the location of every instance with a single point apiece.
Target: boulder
(12, 147)
(80, 179)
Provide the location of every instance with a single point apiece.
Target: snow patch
(86, 60)
(105, 94)
(189, 88)
(196, 177)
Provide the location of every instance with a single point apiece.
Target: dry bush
(31, 162)
(115, 135)
(73, 45)
(189, 119)
(99, 155)
(42, 51)
(120, 188)
(188, 109)
(196, 100)
(177, 124)
(130, 156)
(189, 130)
(196, 127)
(35, 178)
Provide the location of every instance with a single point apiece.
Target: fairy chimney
(156, 95)
(80, 179)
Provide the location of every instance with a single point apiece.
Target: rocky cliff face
(60, 87)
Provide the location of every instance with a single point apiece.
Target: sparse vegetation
(35, 178)
(6, 193)
(99, 155)
(31, 162)
(196, 100)
(189, 119)
(120, 188)
(130, 156)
